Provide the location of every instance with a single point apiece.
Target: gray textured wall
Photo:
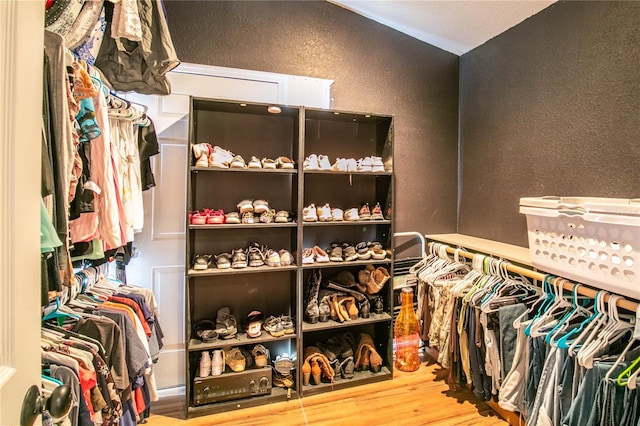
(375, 69)
(550, 107)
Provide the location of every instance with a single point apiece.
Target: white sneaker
(364, 164)
(254, 163)
(309, 213)
(351, 215)
(337, 215)
(376, 164)
(340, 165)
(323, 162)
(352, 165)
(223, 155)
(217, 363)
(205, 364)
(324, 213)
(311, 163)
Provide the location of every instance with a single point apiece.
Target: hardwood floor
(419, 398)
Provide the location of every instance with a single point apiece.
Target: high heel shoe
(306, 372)
(316, 372)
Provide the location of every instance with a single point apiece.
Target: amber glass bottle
(407, 334)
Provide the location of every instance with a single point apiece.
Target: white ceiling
(456, 26)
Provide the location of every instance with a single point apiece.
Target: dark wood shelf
(247, 170)
(244, 226)
(277, 395)
(292, 133)
(241, 339)
(348, 223)
(333, 172)
(344, 264)
(248, 270)
(306, 327)
(360, 378)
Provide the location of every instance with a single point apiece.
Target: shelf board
(234, 170)
(333, 172)
(360, 378)
(247, 270)
(244, 225)
(240, 340)
(348, 222)
(502, 250)
(344, 264)
(306, 327)
(277, 395)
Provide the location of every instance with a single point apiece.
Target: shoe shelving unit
(340, 134)
(247, 129)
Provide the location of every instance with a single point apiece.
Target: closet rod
(567, 285)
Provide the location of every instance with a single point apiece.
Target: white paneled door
(159, 263)
(21, 41)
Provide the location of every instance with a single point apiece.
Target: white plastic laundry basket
(595, 241)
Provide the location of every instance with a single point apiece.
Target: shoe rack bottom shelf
(360, 378)
(277, 395)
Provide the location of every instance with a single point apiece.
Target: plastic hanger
(569, 319)
(623, 377)
(593, 328)
(60, 312)
(548, 300)
(554, 313)
(565, 341)
(613, 331)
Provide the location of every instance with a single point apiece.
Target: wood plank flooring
(418, 398)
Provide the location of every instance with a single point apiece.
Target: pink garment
(106, 216)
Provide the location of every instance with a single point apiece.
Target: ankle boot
(311, 312)
(349, 304)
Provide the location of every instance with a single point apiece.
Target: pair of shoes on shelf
(255, 255)
(317, 162)
(207, 156)
(314, 255)
(205, 330)
(373, 278)
(325, 213)
(345, 165)
(211, 364)
(284, 363)
(370, 250)
(238, 359)
(202, 262)
(282, 162)
(345, 282)
(261, 356)
(339, 252)
(370, 164)
(254, 324)
(367, 358)
(206, 217)
(279, 326)
(316, 366)
(258, 206)
(226, 324)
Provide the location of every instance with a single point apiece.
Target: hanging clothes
(555, 358)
